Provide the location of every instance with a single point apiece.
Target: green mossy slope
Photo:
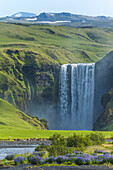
(12, 118)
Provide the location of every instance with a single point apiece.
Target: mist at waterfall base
(76, 96)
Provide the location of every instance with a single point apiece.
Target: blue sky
(85, 7)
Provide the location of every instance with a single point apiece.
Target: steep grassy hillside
(12, 118)
(30, 58)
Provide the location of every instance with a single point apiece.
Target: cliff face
(105, 120)
(103, 83)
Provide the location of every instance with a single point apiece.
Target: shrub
(56, 150)
(88, 161)
(42, 147)
(19, 160)
(111, 160)
(61, 159)
(40, 154)
(78, 141)
(97, 138)
(80, 161)
(70, 155)
(10, 157)
(57, 139)
(98, 151)
(78, 152)
(59, 145)
(35, 160)
(50, 160)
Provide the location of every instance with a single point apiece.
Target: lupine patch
(19, 160)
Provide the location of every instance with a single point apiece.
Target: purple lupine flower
(86, 155)
(80, 161)
(70, 155)
(106, 153)
(88, 161)
(50, 160)
(47, 144)
(19, 160)
(99, 151)
(61, 159)
(78, 152)
(35, 160)
(94, 154)
(40, 154)
(10, 157)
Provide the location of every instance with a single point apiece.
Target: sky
(84, 7)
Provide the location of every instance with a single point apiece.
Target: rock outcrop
(103, 83)
(105, 120)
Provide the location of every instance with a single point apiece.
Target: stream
(11, 150)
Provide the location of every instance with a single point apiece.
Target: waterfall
(76, 96)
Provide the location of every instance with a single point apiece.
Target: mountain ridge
(62, 18)
(23, 14)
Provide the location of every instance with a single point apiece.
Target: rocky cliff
(105, 120)
(103, 106)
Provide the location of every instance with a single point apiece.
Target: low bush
(40, 154)
(96, 138)
(35, 160)
(10, 157)
(59, 145)
(61, 159)
(19, 160)
(80, 161)
(42, 147)
(50, 160)
(78, 141)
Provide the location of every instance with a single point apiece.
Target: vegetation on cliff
(12, 118)
(105, 121)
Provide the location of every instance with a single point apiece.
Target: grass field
(32, 133)
(57, 44)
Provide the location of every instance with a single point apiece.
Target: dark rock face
(103, 83)
(105, 120)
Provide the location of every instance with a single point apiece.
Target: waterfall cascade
(76, 96)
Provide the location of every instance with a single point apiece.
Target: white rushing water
(76, 96)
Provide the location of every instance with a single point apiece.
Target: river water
(16, 150)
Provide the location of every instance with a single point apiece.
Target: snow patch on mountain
(23, 14)
(50, 22)
(31, 19)
(18, 15)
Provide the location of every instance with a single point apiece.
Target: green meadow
(12, 133)
(56, 44)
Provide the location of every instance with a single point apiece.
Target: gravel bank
(21, 143)
(31, 167)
